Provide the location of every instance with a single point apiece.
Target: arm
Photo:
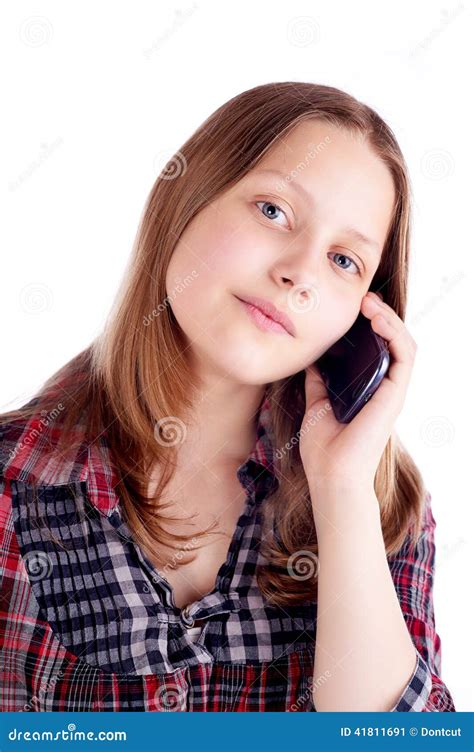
(412, 572)
(380, 651)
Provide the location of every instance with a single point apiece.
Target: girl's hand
(346, 455)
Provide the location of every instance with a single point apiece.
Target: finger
(388, 313)
(379, 312)
(380, 412)
(402, 356)
(318, 405)
(373, 303)
(315, 387)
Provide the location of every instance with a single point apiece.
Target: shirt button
(187, 620)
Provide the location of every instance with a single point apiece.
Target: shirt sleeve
(412, 570)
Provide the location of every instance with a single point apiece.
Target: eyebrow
(356, 234)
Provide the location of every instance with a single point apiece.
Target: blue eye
(275, 206)
(343, 255)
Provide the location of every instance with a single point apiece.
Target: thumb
(315, 389)
(318, 406)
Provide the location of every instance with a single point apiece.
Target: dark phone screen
(353, 368)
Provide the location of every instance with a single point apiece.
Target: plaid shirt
(87, 623)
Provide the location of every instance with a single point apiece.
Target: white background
(98, 96)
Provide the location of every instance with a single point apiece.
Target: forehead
(314, 151)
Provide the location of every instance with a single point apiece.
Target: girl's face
(292, 239)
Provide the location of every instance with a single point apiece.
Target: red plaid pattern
(87, 623)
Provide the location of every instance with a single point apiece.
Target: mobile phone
(353, 368)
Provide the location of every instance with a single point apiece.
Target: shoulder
(30, 451)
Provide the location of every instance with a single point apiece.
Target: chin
(259, 375)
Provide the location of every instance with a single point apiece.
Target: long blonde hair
(133, 375)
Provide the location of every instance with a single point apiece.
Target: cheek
(329, 321)
(235, 257)
(205, 268)
(226, 256)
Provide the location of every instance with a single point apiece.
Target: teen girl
(184, 523)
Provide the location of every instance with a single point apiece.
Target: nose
(300, 280)
(297, 272)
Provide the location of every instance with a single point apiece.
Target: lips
(268, 309)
